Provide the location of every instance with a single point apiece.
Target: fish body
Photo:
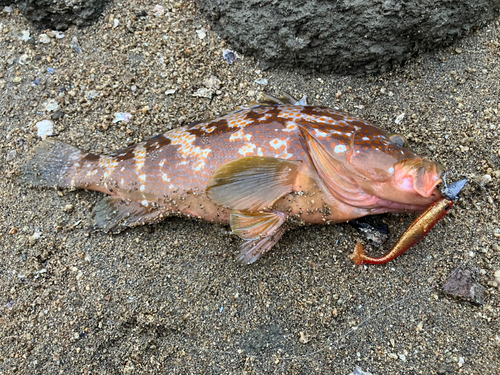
(257, 168)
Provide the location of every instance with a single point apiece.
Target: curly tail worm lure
(418, 229)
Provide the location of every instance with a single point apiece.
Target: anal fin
(113, 214)
(260, 230)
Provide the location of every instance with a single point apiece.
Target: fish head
(388, 169)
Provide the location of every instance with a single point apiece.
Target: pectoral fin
(113, 214)
(334, 174)
(252, 183)
(260, 230)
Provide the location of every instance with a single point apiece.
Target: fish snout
(421, 176)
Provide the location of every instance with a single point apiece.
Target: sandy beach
(170, 298)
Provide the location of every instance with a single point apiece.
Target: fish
(263, 168)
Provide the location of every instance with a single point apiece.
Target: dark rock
(59, 14)
(462, 283)
(343, 36)
(373, 229)
(57, 115)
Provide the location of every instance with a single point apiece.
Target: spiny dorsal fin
(252, 183)
(269, 100)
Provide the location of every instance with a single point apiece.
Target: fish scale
(257, 168)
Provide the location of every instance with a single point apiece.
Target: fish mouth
(419, 175)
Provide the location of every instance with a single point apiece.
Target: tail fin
(51, 165)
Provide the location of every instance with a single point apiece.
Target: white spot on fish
(139, 156)
(365, 139)
(339, 149)
(171, 186)
(259, 152)
(240, 136)
(123, 168)
(276, 143)
(320, 133)
(391, 170)
(290, 127)
(142, 177)
(142, 188)
(164, 177)
(162, 163)
(181, 137)
(108, 164)
(122, 182)
(247, 149)
(145, 203)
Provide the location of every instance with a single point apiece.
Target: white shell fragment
(170, 92)
(75, 45)
(44, 38)
(203, 92)
(50, 105)
(159, 10)
(261, 81)
(45, 128)
(399, 118)
(202, 33)
(122, 116)
(58, 34)
(24, 35)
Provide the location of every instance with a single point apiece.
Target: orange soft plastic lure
(417, 230)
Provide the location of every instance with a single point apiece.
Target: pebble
(24, 35)
(399, 118)
(212, 83)
(261, 81)
(50, 70)
(202, 33)
(359, 371)
(35, 237)
(68, 208)
(11, 155)
(44, 38)
(50, 105)
(75, 45)
(23, 59)
(229, 56)
(17, 79)
(58, 34)
(45, 128)
(203, 92)
(303, 338)
(497, 276)
(159, 10)
(57, 115)
(122, 116)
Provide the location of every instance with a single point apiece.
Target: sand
(170, 298)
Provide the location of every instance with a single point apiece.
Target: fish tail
(53, 164)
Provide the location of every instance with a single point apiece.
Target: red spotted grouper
(261, 168)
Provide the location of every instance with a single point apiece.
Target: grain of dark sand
(170, 298)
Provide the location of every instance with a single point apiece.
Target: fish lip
(426, 175)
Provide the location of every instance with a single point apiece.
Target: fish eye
(399, 140)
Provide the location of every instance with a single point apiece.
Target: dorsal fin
(269, 100)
